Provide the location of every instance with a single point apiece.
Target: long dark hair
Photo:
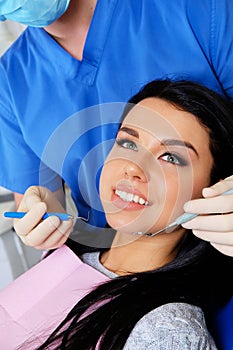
(199, 275)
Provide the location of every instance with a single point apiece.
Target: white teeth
(142, 201)
(130, 197)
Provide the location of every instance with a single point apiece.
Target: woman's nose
(134, 172)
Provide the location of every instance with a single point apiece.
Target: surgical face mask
(36, 13)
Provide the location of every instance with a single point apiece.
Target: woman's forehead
(162, 119)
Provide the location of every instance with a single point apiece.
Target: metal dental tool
(61, 216)
(178, 221)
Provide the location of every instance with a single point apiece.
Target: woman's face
(161, 159)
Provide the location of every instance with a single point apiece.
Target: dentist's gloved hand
(216, 228)
(36, 13)
(47, 234)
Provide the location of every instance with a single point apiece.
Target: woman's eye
(173, 158)
(127, 144)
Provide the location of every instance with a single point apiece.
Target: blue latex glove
(36, 13)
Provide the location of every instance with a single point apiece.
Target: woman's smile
(128, 198)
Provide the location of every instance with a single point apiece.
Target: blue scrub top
(50, 122)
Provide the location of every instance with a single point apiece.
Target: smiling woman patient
(175, 139)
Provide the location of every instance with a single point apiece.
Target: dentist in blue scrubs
(64, 83)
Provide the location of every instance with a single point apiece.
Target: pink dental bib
(34, 304)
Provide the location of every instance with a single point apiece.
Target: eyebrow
(173, 142)
(129, 131)
(165, 142)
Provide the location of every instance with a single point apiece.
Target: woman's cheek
(179, 189)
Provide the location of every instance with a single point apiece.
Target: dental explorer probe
(61, 216)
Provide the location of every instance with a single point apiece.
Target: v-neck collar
(86, 69)
(95, 41)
